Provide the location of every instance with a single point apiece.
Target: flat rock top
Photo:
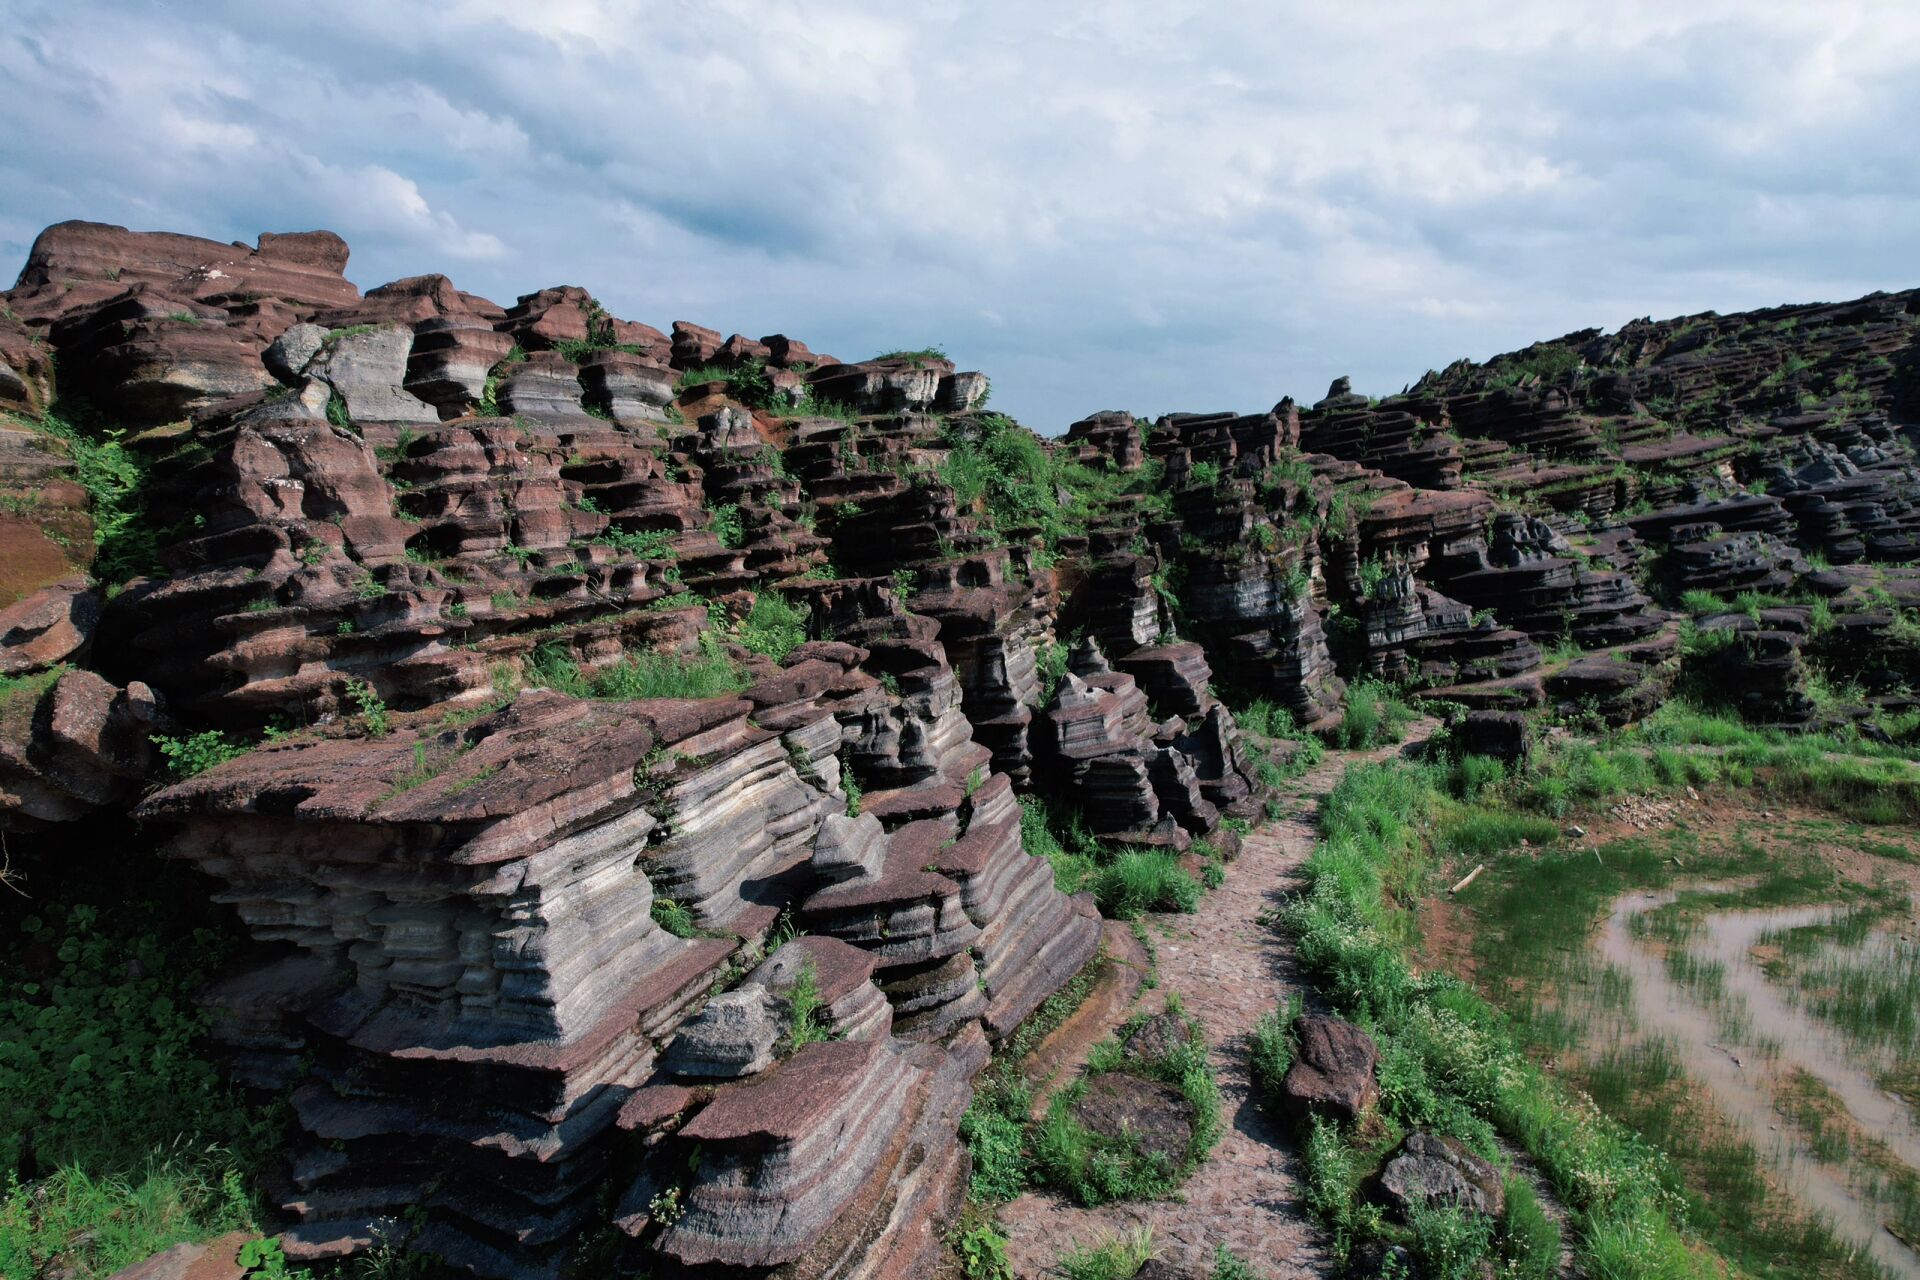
(782, 1104)
(543, 745)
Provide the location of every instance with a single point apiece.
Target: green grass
(1375, 716)
(645, 544)
(1116, 1259)
(1873, 995)
(89, 1225)
(675, 918)
(775, 627)
(1270, 1050)
(804, 1023)
(996, 1121)
(1141, 880)
(1448, 1059)
(646, 674)
(1265, 718)
(1096, 1169)
(1061, 840)
(117, 1137)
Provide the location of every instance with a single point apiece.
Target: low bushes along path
(1230, 965)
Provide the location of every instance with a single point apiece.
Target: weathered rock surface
(434, 542)
(1334, 1073)
(1433, 1171)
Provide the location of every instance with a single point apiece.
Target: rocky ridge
(621, 683)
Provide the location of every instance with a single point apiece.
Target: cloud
(1129, 204)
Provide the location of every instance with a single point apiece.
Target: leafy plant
(804, 1024)
(198, 752)
(374, 719)
(727, 526)
(982, 1251)
(774, 627)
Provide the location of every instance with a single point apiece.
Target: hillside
(640, 779)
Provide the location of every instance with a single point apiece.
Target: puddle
(1733, 1067)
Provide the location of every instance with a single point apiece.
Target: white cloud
(1126, 203)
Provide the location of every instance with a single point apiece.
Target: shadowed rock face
(434, 541)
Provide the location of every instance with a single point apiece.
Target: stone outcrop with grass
(648, 770)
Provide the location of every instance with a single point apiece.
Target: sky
(1147, 206)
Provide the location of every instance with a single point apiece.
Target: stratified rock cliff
(604, 687)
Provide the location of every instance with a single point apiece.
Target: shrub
(1072, 866)
(804, 1026)
(1227, 1265)
(645, 544)
(198, 753)
(728, 527)
(102, 1090)
(1270, 1049)
(1450, 1241)
(775, 627)
(126, 542)
(1142, 880)
(982, 1251)
(1266, 719)
(994, 1129)
(646, 674)
(1375, 716)
(374, 719)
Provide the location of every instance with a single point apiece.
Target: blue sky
(1147, 206)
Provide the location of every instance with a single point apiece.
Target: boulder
(1434, 1171)
(53, 625)
(1333, 1074)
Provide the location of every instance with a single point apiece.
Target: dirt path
(1229, 969)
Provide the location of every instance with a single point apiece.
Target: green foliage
(1270, 1049)
(994, 1129)
(137, 1141)
(648, 673)
(126, 542)
(1071, 867)
(198, 752)
(749, 383)
(804, 1023)
(644, 544)
(1228, 1265)
(1449, 1241)
(1554, 363)
(981, 1249)
(1375, 716)
(727, 526)
(675, 918)
(1529, 1238)
(995, 1124)
(1117, 1259)
(374, 718)
(1205, 474)
(916, 358)
(1265, 718)
(850, 786)
(1051, 663)
(337, 411)
(1142, 880)
(1095, 1168)
(774, 627)
(1448, 1060)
